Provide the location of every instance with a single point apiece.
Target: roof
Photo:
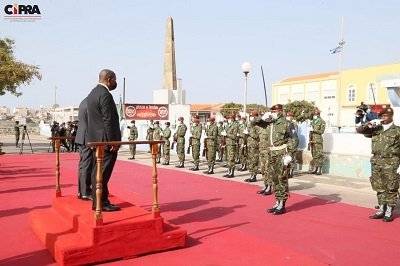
(206, 107)
(310, 77)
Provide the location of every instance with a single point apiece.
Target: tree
(14, 73)
(302, 110)
(231, 109)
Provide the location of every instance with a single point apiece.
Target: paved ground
(349, 190)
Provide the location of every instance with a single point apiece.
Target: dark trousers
(85, 171)
(108, 166)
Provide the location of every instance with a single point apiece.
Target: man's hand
(266, 116)
(114, 148)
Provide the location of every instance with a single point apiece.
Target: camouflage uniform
(17, 134)
(293, 144)
(253, 151)
(166, 146)
(157, 136)
(384, 166)
(264, 135)
(231, 147)
(237, 126)
(196, 136)
(180, 144)
(241, 146)
(149, 135)
(220, 128)
(211, 142)
(133, 135)
(318, 126)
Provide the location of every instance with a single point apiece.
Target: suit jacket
(81, 135)
(103, 120)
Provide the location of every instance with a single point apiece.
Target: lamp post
(246, 69)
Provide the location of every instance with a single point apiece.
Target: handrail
(99, 146)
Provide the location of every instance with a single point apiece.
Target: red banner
(146, 111)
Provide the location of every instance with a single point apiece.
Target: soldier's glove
(161, 134)
(287, 159)
(311, 129)
(398, 170)
(374, 122)
(223, 133)
(266, 116)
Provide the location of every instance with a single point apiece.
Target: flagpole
(341, 44)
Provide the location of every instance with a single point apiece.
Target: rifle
(205, 147)
(309, 140)
(175, 139)
(190, 145)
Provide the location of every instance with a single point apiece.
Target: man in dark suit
(85, 153)
(103, 125)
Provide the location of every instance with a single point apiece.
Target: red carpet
(226, 221)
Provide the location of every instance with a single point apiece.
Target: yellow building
(356, 86)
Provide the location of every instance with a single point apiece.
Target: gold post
(57, 149)
(99, 185)
(155, 209)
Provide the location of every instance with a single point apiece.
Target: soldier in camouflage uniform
(236, 122)
(385, 162)
(317, 128)
(133, 135)
(195, 139)
(149, 135)
(211, 142)
(17, 133)
(166, 147)
(157, 134)
(253, 138)
(264, 144)
(180, 143)
(293, 142)
(242, 144)
(231, 146)
(220, 128)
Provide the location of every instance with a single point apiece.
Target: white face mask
(315, 117)
(229, 121)
(274, 116)
(288, 118)
(251, 119)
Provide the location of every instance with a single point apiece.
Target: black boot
(211, 170)
(291, 173)
(232, 173)
(253, 179)
(280, 209)
(319, 172)
(271, 210)
(195, 168)
(241, 167)
(315, 170)
(244, 168)
(265, 191)
(229, 172)
(207, 171)
(248, 179)
(380, 214)
(388, 214)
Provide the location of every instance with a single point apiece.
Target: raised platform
(68, 231)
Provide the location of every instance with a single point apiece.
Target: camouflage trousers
(252, 159)
(264, 164)
(180, 150)
(243, 152)
(385, 180)
(166, 152)
(211, 153)
(317, 154)
(277, 172)
(293, 154)
(196, 154)
(132, 149)
(230, 156)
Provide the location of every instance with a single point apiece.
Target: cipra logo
(22, 12)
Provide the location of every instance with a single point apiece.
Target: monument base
(68, 231)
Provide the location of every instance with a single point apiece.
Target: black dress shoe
(84, 197)
(109, 208)
(130, 158)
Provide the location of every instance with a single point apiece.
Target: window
(329, 94)
(351, 94)
(283, 98)
(371, 93)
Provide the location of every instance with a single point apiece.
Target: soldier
(385, 162)
(133, 135)
(157, 134)
(68, 133)
(236, 123)
(264, 145)
(211, 142)
(149, 135)
(242, 144)
(195, 136)
(63, 133)
(166, 147)
(231, 145)
(253, 138)
(317, 129)
(17, 133)
(219, 137)
(293, 142)
(278, 137)
(180, 143)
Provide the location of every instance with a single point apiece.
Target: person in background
(133, 135)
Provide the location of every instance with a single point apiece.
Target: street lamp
(246, 69)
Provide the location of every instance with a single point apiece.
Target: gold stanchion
(57, 143)
(99, 185)
(155, 209)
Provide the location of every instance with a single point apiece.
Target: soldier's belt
(278, 148)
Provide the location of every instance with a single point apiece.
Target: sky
(74, 40)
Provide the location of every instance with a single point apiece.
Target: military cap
(157, 122)
(277, 107)
(388, 111)
(167, 123)
(254, 113)
(212, 119)
(196, 120)
(231, 117)
(317, 112)
(220, 122)
(238, 116)
(244, 118)
(133, 121)
(180, 118)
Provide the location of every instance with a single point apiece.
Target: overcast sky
(74, 40)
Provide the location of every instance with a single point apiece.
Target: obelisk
(169, 81)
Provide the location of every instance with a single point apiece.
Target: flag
(120, 109)
(336, 50)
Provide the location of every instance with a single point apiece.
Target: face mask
(236, 119)
(241, 122)
(274, 116)
(251, 119)
(288, 118)
(315, 117)
(229, 121)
